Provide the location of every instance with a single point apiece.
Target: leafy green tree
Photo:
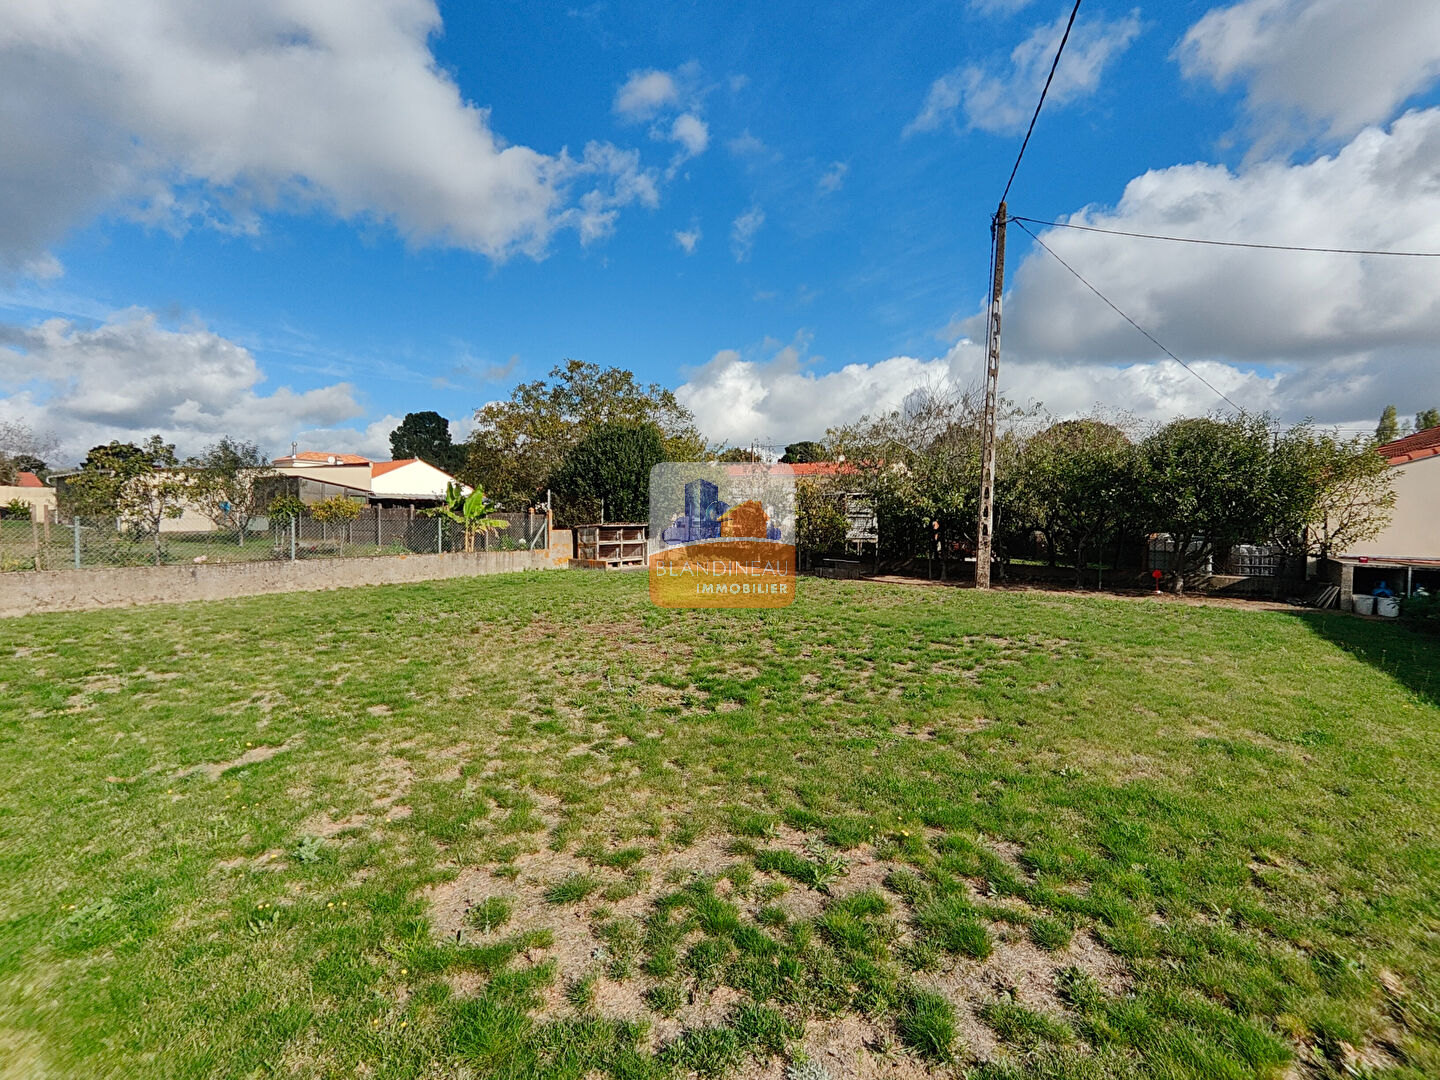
(803, 453)
(520, 443)
(224, 481)
(1331, 493)
(611, 463)
(1426, 419)
(738, 455)
(95, 489)
(1074, 480)
(156, 493)
(1388, 430)
(1207, 483)
(473, 513)
(820, 527)
(426, 435)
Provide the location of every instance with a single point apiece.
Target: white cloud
(1335, 62)
(688, 239)
(1003, 100)
(691, 133)
(130, 377)
(1334, 336)
(181, 114)
(833, 178)
(372, 441)
(743, 230)
(645, 93)
(775, 396)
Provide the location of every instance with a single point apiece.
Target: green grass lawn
(529, 825)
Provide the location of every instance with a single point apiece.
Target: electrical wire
(1222, 243)
(1041, 103)
(1109, 303)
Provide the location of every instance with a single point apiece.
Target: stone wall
(27, 592)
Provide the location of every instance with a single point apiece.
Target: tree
(426, 435)
(1206, 482)
(336, 510)
(803, 453)
(21, 450)
(95, 489)
(473, 513)
(1332, 493)
(519, 444)
(1074, 481)
(611, 463)
(820, 527)
(1389, 427)
(223, 483)
(738, 455)
(1426, 419)
(156, 492)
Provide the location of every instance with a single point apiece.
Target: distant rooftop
(28, 479)
(321, 457)
(1422, 444)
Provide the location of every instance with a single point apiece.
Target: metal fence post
(439, 536)
(76, 523)
(294, 520)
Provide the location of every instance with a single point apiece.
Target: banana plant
(473, 512)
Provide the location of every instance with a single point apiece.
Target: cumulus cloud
(1002, 98)
(131, 376)
(691, 133)
(743, 231)
(645, 93)
(372, 440)
(1333, 62)
(671, 102)
(1333, 336)
(688, 239)
(185, 115)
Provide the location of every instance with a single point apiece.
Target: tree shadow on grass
(1411, 657)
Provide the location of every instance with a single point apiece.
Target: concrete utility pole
(985, 528)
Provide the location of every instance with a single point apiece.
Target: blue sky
(298, 225)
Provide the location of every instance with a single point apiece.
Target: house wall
(41, 498)
(355, 476)
(417, 478)
(1414, 529)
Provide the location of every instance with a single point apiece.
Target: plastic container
(1388, 606)
(1364, 605)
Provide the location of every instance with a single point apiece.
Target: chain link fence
(91, 543)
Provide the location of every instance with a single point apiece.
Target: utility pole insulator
(985, 527)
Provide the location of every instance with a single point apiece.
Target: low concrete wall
(27, 592)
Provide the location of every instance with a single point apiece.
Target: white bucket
(1364, 605)
(1387, 606)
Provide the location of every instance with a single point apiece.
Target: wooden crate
(613, 546)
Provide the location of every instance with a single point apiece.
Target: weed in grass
(571, 889)
(1024, 1027)
(952, 925)
(580, 993)
(1051, 933)
(308, 849)
(818, 872)
(491, 913)
(1079, 989)
(709, 1052)
(926, 1024)
(763, 1030)
(664, 998)
(623, 859)
(807, 1069)
(772, 915)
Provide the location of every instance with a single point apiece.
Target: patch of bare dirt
(215, 769)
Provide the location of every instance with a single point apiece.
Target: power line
(1040, 104)
(1222, 243)
(1109, 303)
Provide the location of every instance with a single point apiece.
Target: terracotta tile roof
(1422, 444)
(322, 458)
(823, 468)
(28, 479)
(380, 468)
